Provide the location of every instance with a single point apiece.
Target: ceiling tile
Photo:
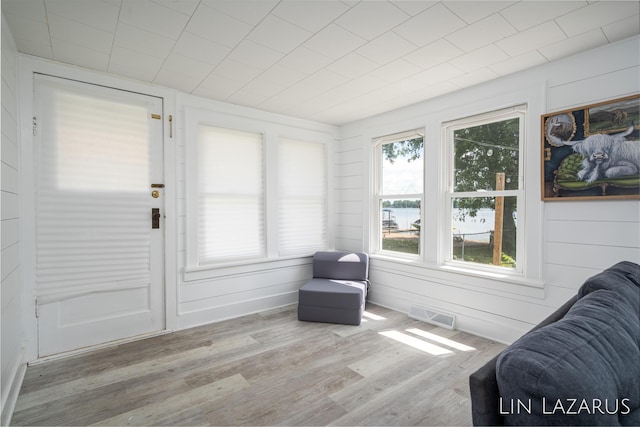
(217, 27)
(474, 10)
(352, 65)
(134, 38)
(42, 49)
(334, 42)
(324, 80)
(134, 64)
(79, 34)
(596, 15)
(479, 58)
(248, 11)
(236, 71)
(188, 67)
(312, 15)
(29, 30)
(186, 7)
(622, 29)
(533, 38)
(386, 48)
(255, 55)
(436, 74)
(94, 13)
(247, 98)
(79, 55)
(430, 25)
(481, 33)
(176, 80)
(527, 14)
(196, 47)
(305, 60)
(217, 87)
(29, 10)
(520, 62)
(153, 18)
(278, 34)
(570, 46)
(283, 76)
(475, 77)
(396, 70)
(370, 19)
(263, 87)
(414, 7)
(433, 54)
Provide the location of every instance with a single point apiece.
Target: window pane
(100, 144)
(231, 195)
(402, 167)
(400, 225)
(476, 229)
(481, 152)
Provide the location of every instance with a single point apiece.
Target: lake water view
(477, 228)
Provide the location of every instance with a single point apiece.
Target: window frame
(271, 131)
(448, 129)
(379, 196)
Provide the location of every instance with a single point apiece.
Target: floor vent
(432, 316)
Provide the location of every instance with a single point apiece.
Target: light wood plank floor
(266, 369)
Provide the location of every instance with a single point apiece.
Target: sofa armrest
(483, 385)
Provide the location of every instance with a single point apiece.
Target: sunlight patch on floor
(441, 340)
(416, 343)
(372, 316)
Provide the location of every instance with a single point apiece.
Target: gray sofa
(580, 366)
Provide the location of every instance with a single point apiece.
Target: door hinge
(170, 126)
(37, 309)
(35, 126)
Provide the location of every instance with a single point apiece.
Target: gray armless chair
(338, 290)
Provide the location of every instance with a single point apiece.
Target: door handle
(155, 217)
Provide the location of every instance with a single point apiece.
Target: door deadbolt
(155, 194)
(155, 217)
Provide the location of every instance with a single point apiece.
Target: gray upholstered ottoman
(338, 290)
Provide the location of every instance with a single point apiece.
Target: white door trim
(27, 66)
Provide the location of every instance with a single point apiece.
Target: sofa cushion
(341, 265)
(582, 369)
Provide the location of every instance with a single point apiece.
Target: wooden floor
(266, 369)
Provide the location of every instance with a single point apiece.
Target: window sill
(218, 270)
(461, 275)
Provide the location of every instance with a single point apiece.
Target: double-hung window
(255, 192)
(399, 193)
(484, 198)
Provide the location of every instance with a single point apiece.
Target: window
(399, 194)
(230, 195)
(302, 197)
(484, 194)
(255, 192)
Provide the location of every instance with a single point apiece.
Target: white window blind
(230, 195)
(302, 195)
(92, 215)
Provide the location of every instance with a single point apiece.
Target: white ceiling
(327, 60)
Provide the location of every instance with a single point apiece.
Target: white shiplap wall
(208, 295)
(13, 334)
(580, 238)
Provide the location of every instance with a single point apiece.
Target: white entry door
(99, 261)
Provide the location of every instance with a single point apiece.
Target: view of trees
(479, 153)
